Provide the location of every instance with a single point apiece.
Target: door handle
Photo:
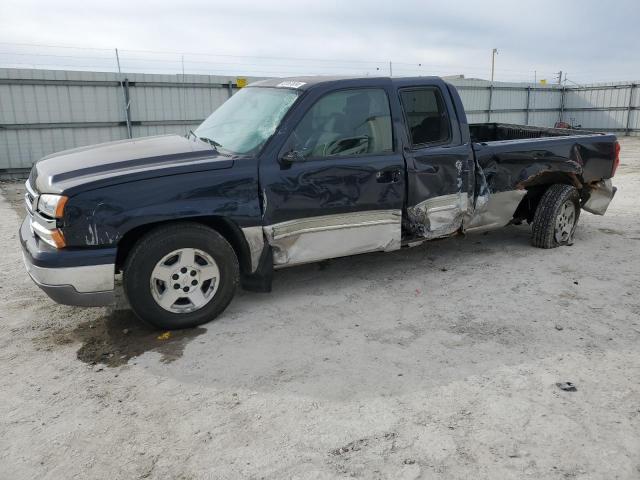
(388, 176)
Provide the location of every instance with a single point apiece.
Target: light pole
(494, 52)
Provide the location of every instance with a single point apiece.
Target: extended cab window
(345, 123)
(426, 114)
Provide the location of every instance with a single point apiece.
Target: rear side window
(426, 115)
(345, 123)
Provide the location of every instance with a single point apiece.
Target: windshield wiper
(211, 142)
(215, 145)
(191, 132)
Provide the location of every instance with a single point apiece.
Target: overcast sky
(590, 40)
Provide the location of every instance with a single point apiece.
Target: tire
(153, 270)
(553, 224)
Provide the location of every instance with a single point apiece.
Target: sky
(591, 41)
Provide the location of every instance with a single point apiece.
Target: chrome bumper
(87, 286)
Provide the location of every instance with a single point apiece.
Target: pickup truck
(291, 171)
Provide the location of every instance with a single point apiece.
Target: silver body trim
(86, 279)
(30, 198)
(439, 216)
(329, 236)
(497, 211)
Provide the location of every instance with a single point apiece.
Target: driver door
(338, 185)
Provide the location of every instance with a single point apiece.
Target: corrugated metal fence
(612, 107)
(44, 111)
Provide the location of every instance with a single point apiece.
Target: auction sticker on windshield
(291, 84)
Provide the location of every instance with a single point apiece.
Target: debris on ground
(567, 386)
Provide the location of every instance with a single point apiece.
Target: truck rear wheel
(556, 217)
(180, 276)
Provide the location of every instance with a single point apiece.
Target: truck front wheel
(180, 276)
(556, 217)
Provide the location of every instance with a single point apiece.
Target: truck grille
(30, 199)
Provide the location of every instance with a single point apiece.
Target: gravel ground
(434, 362)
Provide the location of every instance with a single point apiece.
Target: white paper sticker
(291, 84)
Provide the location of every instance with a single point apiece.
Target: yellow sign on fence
(241, 82)
(543, 81)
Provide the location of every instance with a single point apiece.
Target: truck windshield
(243, 124)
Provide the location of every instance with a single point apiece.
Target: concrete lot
(434, 362)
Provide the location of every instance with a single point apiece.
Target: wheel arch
(224, 226)
(537, 185)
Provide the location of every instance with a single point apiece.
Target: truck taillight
(616, 158)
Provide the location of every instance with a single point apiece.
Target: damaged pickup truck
(290, 171)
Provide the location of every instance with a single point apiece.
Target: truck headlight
(52, 205)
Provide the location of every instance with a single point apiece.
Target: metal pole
(182, 92)
(494, 52)
(562, 90)
(390, 69)
(125, 95)
(127, 100)
(230, 86)
(490, 102)
(535, 85)
(526, 113)
(629, 107)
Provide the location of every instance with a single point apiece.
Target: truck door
(337, 185)
(439, 162)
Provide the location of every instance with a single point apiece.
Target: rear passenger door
(337, 186)
(438, 162)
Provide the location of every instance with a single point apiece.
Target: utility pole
(560, 77)
(125, 96)
(182, 92)
(390, 69)
(494, 52)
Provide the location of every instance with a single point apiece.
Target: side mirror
(292, 156)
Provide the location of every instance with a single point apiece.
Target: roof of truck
(307, 82)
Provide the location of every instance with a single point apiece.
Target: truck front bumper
(81, 277)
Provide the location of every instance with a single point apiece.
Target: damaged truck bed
(290, 171)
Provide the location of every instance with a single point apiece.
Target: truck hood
(84, 168)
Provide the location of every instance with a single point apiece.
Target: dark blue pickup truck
(290, 171)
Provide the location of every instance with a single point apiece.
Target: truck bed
(495, 132)
(517, 156)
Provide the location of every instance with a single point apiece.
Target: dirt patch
(487, 331)
(350, 459)
(361, 443)
(611, 231)
(115, 339)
